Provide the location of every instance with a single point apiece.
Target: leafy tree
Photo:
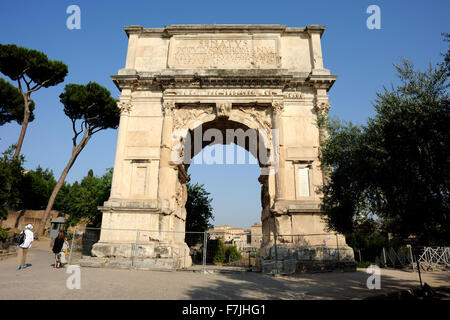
(343, 200)
(95, 110)
(21, 189)
(4, 194)
(32, 70)
(82, 199)
(11, 172)
(198, 212)
(368, 239)
(395, 170)
(11, 104)
(36, 187)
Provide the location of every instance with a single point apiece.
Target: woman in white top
(24, 246)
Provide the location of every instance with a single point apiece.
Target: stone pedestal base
(151, 255)
(289, 259)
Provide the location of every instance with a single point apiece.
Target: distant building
(256, 235)
(239, 237)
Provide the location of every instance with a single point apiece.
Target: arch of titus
(182, 80)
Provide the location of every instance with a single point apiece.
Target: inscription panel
(224, 53)
(222, 92)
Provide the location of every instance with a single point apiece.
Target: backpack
(20, 238)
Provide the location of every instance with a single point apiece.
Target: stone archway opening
(251, 148)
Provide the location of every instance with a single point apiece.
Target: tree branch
(95, 131)
(85, 124)
(76, 134)
(20, 86)
(89, 119)
(25, 80)
(38, 86)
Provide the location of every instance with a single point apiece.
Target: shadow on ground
(331, 285)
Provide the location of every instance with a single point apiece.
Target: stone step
(126, 263)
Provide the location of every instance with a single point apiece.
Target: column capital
(278, 107)
(168, 108)
(322, 107)
(124, 106)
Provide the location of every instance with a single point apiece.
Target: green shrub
(219, 257)
(232, 254)
(219, 253)
(3, 234)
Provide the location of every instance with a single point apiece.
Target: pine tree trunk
(26, 117)
(75, 152)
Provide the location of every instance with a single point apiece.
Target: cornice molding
(215, 79)
(171, 30)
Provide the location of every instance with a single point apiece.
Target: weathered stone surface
(305, 254)
(264, 79)
(147, 250)
(138, 263)
(280, 252)
(102, 250)
(269, 266)
(290, 266)
(293, 258)
(163, 252)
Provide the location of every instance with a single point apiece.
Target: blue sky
(361, 58)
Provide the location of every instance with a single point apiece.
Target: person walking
(24, 246)
(64, 250)
(57, 248)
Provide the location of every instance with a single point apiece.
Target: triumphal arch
(183, 86)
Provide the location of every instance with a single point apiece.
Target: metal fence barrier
(434, 258)
(429, 258)
(207, 250)
(401, 257)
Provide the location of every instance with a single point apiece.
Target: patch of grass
(364, 264)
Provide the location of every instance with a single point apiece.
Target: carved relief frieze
(181, 193)
(223, 109)
(261, 116)
(184, 115)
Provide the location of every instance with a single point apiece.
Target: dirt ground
(41, 281)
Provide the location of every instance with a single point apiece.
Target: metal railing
(165, 249)
(434, 258)
(428, 258)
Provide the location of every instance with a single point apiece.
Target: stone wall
(19, 219)
(289, 259)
